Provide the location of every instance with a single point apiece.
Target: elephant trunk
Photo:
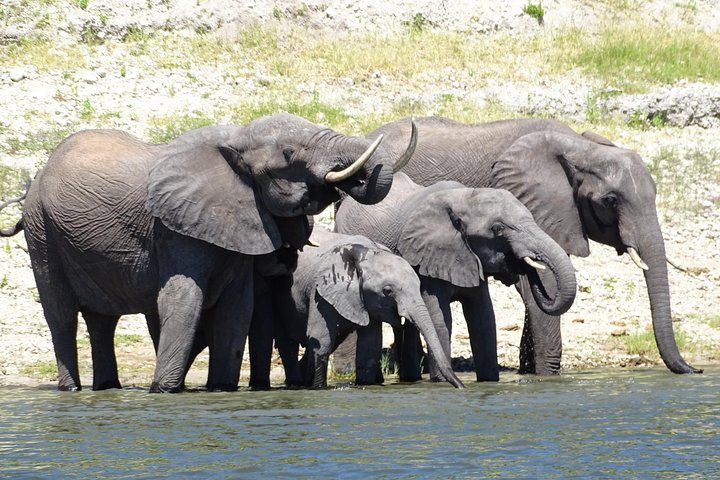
(652, 251)
(370, 185)
(420, 317)
(553, 291)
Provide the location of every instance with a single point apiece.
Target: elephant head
(581, 187)
(229, 185)
(462, 235)
(364, 283)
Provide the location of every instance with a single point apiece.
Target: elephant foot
(221, 387)
(69, 388)
(259, 384)
(108, 385)
(487, 376)
(157, 387)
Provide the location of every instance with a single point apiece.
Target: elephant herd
(210, 236)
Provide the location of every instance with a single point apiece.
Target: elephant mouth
(314, 201)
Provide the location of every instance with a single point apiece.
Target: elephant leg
(480, 317)
(289, 350)
(260, 341)
(60, 308)
(368, 355)
(321, 334)
(437, 297)
(230, 327)
(344, 356)
(409, 353)
(101, 329)
(153, 324)
(179, 305)
(541, 344)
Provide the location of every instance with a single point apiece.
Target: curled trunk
(553, 288)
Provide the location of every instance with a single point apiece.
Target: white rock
(17, 74)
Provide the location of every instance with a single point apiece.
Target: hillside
(644, 73)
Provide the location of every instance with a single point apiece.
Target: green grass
(128, 338)
(632, 55)
(535, 10)
(43, 370)
(712, 320)
(43, 54)
(643, 343)
(166, 128)
(43, 140)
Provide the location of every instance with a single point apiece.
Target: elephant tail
(10, 231)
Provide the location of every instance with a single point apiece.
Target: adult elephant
(349, 283)
(115, 225)
(456, 237)
(576, 186)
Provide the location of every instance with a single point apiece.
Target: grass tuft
(166, 128)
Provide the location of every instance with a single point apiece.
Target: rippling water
(624, 424)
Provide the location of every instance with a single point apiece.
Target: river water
(644, 423)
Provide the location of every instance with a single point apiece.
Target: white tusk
(636, 258)
(533, 263)
(310, 243)
(334, 177)
(402, 321)
(407, 155)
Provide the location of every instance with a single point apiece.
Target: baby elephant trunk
(419, 316)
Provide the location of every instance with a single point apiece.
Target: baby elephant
(348, 283)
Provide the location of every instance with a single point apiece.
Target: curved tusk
(310, 243)
(636, 258)
(407, 155)
(533, 263)
(344, 174)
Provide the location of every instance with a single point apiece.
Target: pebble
(17, 74)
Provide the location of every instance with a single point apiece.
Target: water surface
(615, 423)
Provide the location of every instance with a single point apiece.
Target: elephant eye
(609, 201)
(456, 221)
(498, 229)
(288, 153)
(387, 290)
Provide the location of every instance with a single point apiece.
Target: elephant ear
(338, 281)
(597, 138)
(194, 191)
(534, 169)
(433, 239)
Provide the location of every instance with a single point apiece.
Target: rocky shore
(93, 75)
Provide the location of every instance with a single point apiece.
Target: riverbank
(157, 68)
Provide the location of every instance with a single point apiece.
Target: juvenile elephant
(347, 284)
(456, 237)
(115, 225)
(576, 186)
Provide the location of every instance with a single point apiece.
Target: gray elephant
(576, 186)
(348, 283)
(456, 237)
(115, 226)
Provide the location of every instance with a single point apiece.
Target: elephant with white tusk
(577, 186)
(456, 237)
(115, 225)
